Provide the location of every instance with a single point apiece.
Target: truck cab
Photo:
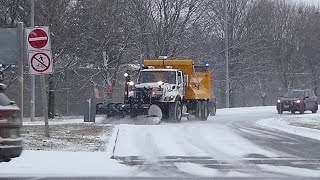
(166, 84)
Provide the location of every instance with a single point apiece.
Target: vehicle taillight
(11, 115)
(2, 114)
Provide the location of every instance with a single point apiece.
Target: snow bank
(291, 171)
(74, 164)
(282, 125)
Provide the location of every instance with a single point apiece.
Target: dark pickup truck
(10, 124)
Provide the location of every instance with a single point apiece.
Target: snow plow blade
(140, 114)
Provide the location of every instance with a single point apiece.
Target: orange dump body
(198, 77)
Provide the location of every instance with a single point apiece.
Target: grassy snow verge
(67, 134)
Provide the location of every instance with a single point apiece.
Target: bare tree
(57, 15)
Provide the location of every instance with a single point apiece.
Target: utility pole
(226, 36)
(33, 78)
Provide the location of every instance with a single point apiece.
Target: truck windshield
(155, 76)
(294, 94)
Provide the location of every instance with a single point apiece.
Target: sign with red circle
(40, 62)
(38, 38)
(39, 50)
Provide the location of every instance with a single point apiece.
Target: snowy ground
(67, 134)
(54, 163)
(212, 148)
(307, 125)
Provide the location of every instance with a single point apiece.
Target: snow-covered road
(238, 142)
(231, 143)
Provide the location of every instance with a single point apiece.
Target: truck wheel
(212, 108)
(133, 114)
(213, 111)
(315, 108)
(175, 111)
(204, 111)
(198, 110)
(302, 109)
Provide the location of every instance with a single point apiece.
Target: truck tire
(212, 108)
(315, 108)
(302, 109)
(204, 111)
(198, 110)
(175, 111)
(213, 111)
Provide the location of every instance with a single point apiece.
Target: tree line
(273, 44)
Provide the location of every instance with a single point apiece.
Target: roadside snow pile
(307, 125)
(307, 120)
(292, 171)
(71, 164)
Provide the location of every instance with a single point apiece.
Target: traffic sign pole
(33, 78)
(45, 106)
(20, 66)
(36, 39)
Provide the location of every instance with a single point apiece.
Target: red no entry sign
(38, 38)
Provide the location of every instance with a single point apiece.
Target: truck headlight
(131, 83)
(279, 100)
(298, 101)
(160, 83)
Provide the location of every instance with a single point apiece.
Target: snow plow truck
(168, 89)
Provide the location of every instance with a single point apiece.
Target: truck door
(180, 83)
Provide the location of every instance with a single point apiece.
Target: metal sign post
(40, 62)
(33, 78)
(20, 66)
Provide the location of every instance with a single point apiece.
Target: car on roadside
(10, 125)
(298, 100)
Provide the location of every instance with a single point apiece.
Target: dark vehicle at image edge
(298, 100)
(10, 124)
